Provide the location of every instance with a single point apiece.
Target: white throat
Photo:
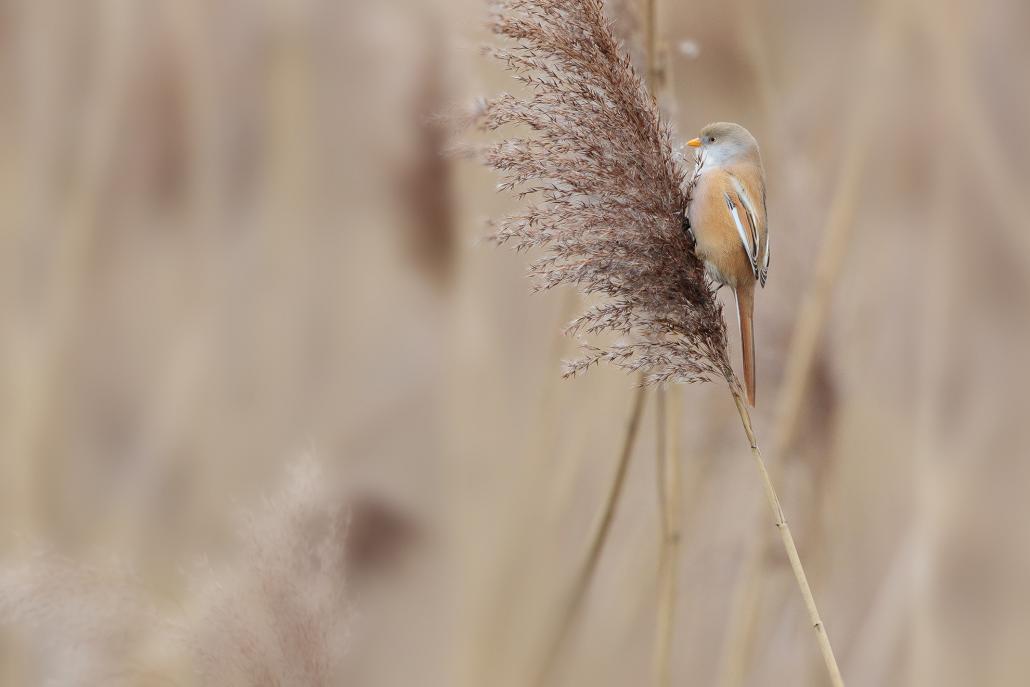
(720, 155)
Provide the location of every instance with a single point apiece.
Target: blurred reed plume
(278, 614)
(609, 193)
(86, 623)
(608, 196)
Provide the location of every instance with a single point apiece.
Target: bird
(727, 219)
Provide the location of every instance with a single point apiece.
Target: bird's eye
(711, 139)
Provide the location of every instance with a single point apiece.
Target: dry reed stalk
(815, 308)
(667, 467)
(654, 53)
(902, 604)
(667, 510)
(599, 535)
(936, 308)
(669, 497)
(887, 625)
(661, 435)
(788, 542)
(180, 386)
(804, 345)
(543, 452)
(545, 434)
(948, 40)
(741, 623)
(749, 18)
(609, 197)
(41, 356)
(812, 320)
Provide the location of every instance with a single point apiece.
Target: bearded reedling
(728, 220)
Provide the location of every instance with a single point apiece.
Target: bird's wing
(744, 194)
(732, 203)
(763, 273)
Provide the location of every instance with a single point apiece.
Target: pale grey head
(726, 143)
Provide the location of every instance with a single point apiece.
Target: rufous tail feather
(745, 307)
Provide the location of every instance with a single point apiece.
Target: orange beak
(694, 143)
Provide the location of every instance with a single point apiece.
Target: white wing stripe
(750, 208)
(743, 234)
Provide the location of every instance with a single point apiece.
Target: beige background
(227, 241)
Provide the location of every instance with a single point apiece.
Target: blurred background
(230, 246)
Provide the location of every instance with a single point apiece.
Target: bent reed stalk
(780, 520)
(608, 192)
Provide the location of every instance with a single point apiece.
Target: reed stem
(654, 66)
(814, 315)
(667, 465)
(598, 537)
(822, 637)
(669, 496)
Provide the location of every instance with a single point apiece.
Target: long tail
(745, 307)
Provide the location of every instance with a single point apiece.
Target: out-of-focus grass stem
(667, 465)
(42, 355)
(597, 539)
(669, 494)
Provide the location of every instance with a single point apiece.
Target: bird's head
(726, 143)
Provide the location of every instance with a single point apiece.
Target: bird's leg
(687, 228)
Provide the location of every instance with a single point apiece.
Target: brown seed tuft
(607, 192)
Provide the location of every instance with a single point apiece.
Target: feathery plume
(608, 197)
(278, 615)
(81, 624)
(282, 617)
(607, 192)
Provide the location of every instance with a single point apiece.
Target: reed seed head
(606, 191)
